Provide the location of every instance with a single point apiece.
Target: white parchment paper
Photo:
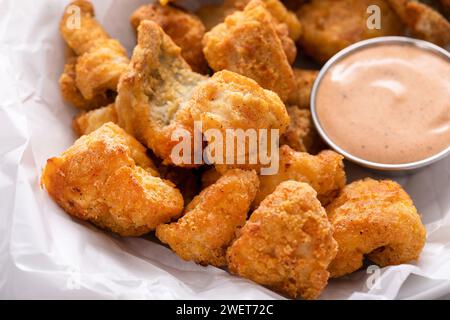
(46, 254)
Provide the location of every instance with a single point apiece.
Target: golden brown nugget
(324, 172)
(212, 15)
(107, 178)
(301, 94)
(423, 21)
(86, 122)
(71, 93)
(185, 29)
(331, 25)
(301, 135)
(211, 220)
(154, 90)
(101, 59)
(231, 101)
(287, 243)
(376, 219)
(247, 43)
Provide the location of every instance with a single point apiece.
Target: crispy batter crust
(86, 122)
(154, 90)
(377, 219)
(231, 101)
(301, 94)
(301, 135)
(247, 43)
(71, 93)
(107, 179)
(287, 243)
(330, 25)
(185, 29)
(211, 219)
(324, 172)
(212, 15)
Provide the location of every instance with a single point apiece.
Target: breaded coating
(376, 219)
(301, 95)
(100, 59)
(247, 43)
(288, 45)
(301, 135)
(231, 101)
(86, 122)
(154, 90)
(212, 15)
(107, 178)
(331, 25)
(324, 172)
(71, 93)
(211, 220)
(185, 29)
(423, 21)
(287, 243)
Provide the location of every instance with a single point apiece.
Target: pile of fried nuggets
(289, 231)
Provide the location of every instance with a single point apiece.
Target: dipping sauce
(388, 103)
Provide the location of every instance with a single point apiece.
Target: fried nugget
(71, 93)
(423, 21)
(331, 25)
(107, 178)
(86, 122)
(154, 90)
(287, 243)
(210, 221)
(324, 172)
(212, 15)
(231, 101)
(247, 43)
(301, 94)
(100, 59)
(376, 219)
(185, 29)
(301, 135)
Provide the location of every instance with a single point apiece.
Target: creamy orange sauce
(388, 104)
